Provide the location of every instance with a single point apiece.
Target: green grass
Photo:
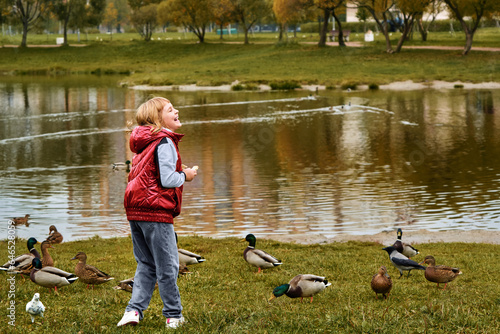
(178, 62)
(225, 295)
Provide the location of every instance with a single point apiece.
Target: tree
(28, 12)
(248, 12)
(433, 10)
(330, 7)
(194, 15)
(380, 11)
(475, 9)
(410, 9)
(289, 12)
(363, 15)
(223, 13)
(145, 20)
(110, 17)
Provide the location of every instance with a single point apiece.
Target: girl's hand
(190, 173)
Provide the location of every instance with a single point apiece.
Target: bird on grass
(401, 262)
(439, 274)
(257, 257)
(404, 248)
(381, 282)
(50, 277)
(23, 263)
(186, 257)
(89, 274)
(301, 286)
(21, 220)
(54, 236)
(35, 307)
(47, 260)
(128, 285)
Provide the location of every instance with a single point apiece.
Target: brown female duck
(21, 220)
(54, 236)
(381, 282)
(87, 273)
(441, 273)
(47, 260)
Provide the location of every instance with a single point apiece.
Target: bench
(335, 33)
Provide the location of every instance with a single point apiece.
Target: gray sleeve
(167, 160)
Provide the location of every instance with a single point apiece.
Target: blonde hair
(148, 113)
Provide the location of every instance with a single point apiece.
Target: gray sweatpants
(155, 251)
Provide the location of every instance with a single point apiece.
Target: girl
(153, 198)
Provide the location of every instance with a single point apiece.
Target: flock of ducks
(42, 272)
(381, 283)
(399, 254)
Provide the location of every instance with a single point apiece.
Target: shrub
(284, 85)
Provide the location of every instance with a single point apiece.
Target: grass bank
(180, 62)
(225, 295)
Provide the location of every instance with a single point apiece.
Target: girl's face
(170, 117)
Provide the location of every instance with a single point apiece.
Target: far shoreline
(397, 86)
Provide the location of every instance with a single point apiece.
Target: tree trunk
(341, 32)
(222, 26)
(468, 42)
(408, 26)
(280, 36)
(24, 41)
(422, 30)
(324, 28)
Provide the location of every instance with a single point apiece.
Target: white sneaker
(175, 322)
(129, 318)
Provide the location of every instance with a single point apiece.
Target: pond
(271, 163)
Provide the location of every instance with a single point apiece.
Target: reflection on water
(270, 162)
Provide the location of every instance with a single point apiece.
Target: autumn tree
(433, 10)
(330, 8)
(194, 15)
(289, 12)
(248, 12)
(410, 10)
(110, 17)
(380, 11)
(223, 13)
(145, 20)
(474, 10)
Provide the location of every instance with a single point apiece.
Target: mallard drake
(441, 273)
(128, 285)
(122, 166)
(401, 262)
(47, 260)
(257, 257)
(54, 236)
(186, 257)
(89, 274)
(50, 277)
(404, 248)
(21, 220)
(381, 282)
(35, 307)
(23, 263)
(301, 286)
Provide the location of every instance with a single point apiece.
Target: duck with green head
(23, 263)
(301, 286)
(257, 257)
(50, 277)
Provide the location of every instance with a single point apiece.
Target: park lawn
(226, 295)
(212, 64)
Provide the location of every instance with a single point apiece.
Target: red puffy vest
(145, 198)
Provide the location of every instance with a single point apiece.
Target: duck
(21, 220)
(439, 274)
(23, 263)
(54, 236)
(50, 277)
(301, 286)
(89, 274)
(401, 262)
(35, 307)
(47, 260)
(186, 257)
(128, 285)
(257, 257)
(381, 282)
(122, 166)
(404, 248)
